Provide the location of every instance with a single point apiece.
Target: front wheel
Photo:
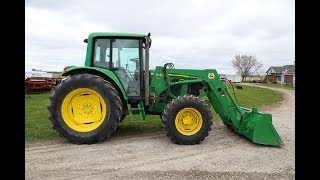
(187, 120)
(85, 109)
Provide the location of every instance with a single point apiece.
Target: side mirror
(85, 40)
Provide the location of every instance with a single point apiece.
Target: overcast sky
(191, 34)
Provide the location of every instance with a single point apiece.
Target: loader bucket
(258, 127)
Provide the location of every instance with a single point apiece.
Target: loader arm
(250, 123)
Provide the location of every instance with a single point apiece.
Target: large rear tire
(187, 120)
(85, 109)
(122, 118)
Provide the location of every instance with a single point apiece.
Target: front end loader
(115, 81)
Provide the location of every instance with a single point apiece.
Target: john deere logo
(210, 75)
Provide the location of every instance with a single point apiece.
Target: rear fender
(104, 73)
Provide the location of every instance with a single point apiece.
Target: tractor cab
(122, 53)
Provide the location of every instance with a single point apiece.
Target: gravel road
(222, 155)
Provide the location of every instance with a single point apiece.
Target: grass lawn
(251, 96)
(38, 126)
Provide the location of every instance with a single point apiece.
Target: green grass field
(38, 126)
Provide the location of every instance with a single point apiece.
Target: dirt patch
(223, 155)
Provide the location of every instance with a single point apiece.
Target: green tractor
(115, 81)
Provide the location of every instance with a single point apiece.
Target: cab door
(127, 61)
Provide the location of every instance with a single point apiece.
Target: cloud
(191, 34)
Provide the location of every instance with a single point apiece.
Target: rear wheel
(122, 118)
(187, 120)
(85, 109)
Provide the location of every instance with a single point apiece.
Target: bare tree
(246, 65)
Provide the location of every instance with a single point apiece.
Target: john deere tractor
(116, 81)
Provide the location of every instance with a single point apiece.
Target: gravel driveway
(222, 155)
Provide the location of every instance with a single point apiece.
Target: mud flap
(259, 128)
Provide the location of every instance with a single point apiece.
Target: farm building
(274, 74)
(232, 78)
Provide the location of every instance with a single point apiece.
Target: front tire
(85, 109)
(187, 120)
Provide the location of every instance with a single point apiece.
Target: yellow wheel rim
(188, 121)
(83, 110)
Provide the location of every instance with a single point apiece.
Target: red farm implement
(39, 82)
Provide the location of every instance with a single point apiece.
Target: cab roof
(115, 34)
